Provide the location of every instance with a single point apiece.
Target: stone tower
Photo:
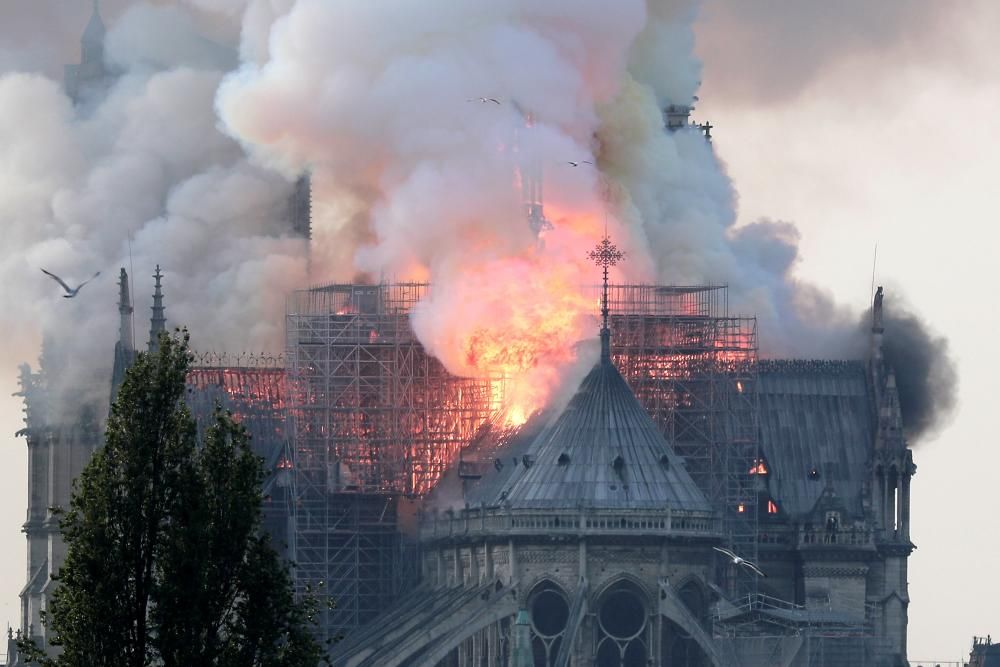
(62, 430)
(892, 468)
(91, 77)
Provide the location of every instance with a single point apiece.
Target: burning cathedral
(690, 504)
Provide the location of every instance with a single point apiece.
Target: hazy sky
(867, 122)
(860, 122)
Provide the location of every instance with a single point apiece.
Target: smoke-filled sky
(835, 129)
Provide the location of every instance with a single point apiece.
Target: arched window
(549, 611)
(623, 627)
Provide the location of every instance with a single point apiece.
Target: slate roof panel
(603, 421)
(815, 415)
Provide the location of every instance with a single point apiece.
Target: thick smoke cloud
(925, 371)
(139, 178)
(411, 179)
(415, 182)
(397, 140)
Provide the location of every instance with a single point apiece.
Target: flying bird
(484, 100)
(70, 291)
(579, 162)
(740, 561)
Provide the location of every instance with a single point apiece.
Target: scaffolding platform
(372, 415)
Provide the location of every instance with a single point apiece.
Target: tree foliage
(166, 562)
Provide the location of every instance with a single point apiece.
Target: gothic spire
(125, 311)
(157, 323)
(124, 348)
(605, 255)
(93, 37)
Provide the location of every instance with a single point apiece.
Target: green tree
(166, 562)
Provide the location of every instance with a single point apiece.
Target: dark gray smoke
(926, 374)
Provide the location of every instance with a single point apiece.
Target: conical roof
(602, 452)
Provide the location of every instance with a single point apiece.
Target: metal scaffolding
(371, 413)
(373, 417)
(370, 564)
(254, 390)
(693, 367)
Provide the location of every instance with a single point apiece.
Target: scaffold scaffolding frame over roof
(372, 413)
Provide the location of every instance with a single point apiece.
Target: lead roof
(816, 422)
(602, 452)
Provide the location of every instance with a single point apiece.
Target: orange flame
(515, 319)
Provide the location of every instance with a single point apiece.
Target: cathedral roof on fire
(602, 452)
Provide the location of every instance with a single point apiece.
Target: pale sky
(861, 125)
(894, 143)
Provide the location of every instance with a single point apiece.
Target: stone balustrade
(852, 537)
(475, 522)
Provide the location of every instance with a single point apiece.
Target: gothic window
(623, 625)
(549, 617)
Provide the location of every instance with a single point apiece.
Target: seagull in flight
(70, 291)
(484, 100)
(739, 560)
(577, 163)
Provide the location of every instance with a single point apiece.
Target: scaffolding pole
(371, 413)
(693, 367)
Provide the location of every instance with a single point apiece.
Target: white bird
(484, 100)
(70, 291)
(740, 561)
(578, 163)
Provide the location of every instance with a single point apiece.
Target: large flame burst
(516, 320)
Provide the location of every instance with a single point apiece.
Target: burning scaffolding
(373, 415)
(375, 419)
(693, 367)
(254, 389)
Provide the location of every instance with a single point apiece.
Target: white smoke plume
(373, 99)
(139, 177)
(414, 177)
